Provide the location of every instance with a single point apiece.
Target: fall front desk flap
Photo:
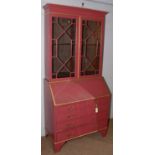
(79, 90)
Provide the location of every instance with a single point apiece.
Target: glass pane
(64, 52)
(71, 32)
(91, 31)
(91, 52)
(64, 39)
(63, 73)
(56, 30)
(85, 32)
(84, 64)
(95, 62)
(70, 64)
(63, 47)
(56, 64)
(53, 48)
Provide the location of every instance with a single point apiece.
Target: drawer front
(103, 104)
(81, 130)
(66, 112)
(75, 132)
(103, 114)
(74, 110)
(88, 128)
(69, 124)
(69, 108)
(66, 135)
(86, 108)
(60, 117)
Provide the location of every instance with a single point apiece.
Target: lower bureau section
(72, 113)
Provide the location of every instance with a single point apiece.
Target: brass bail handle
(96, 108)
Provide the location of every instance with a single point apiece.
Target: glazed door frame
(67, 16)
(98, 19)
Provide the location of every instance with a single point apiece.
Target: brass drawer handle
(96, 109)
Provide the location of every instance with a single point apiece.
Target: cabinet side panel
(47, 46)
(102, 46)
(48, 109)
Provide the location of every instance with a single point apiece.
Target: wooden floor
(93, 144)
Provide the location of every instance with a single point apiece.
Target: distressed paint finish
(80, 105)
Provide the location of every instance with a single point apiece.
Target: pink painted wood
(78, 90)
(80, 105)
(52, 10)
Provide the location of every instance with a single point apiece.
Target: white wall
(108, 49)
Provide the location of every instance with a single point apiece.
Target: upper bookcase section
(74, 42)
(54, 8)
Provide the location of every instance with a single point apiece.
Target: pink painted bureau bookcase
(77, 98)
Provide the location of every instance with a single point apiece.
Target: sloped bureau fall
(77, 98)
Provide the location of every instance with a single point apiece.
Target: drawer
(66, 112)
(69, 108)
(102, 115)
(100, 124)
(61, 117)
(102, 119)
(66, 135)
(75, 132)
(88, 128)
(81, 130)
(103, 104)
(75, 123)
(86, 107)
(74, 110)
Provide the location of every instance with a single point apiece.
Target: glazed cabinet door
(91, 47)
(64, 30)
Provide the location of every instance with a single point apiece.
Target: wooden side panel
(48, 109)
(48, 58)
(102, 46)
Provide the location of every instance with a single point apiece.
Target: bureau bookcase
(77, 98)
